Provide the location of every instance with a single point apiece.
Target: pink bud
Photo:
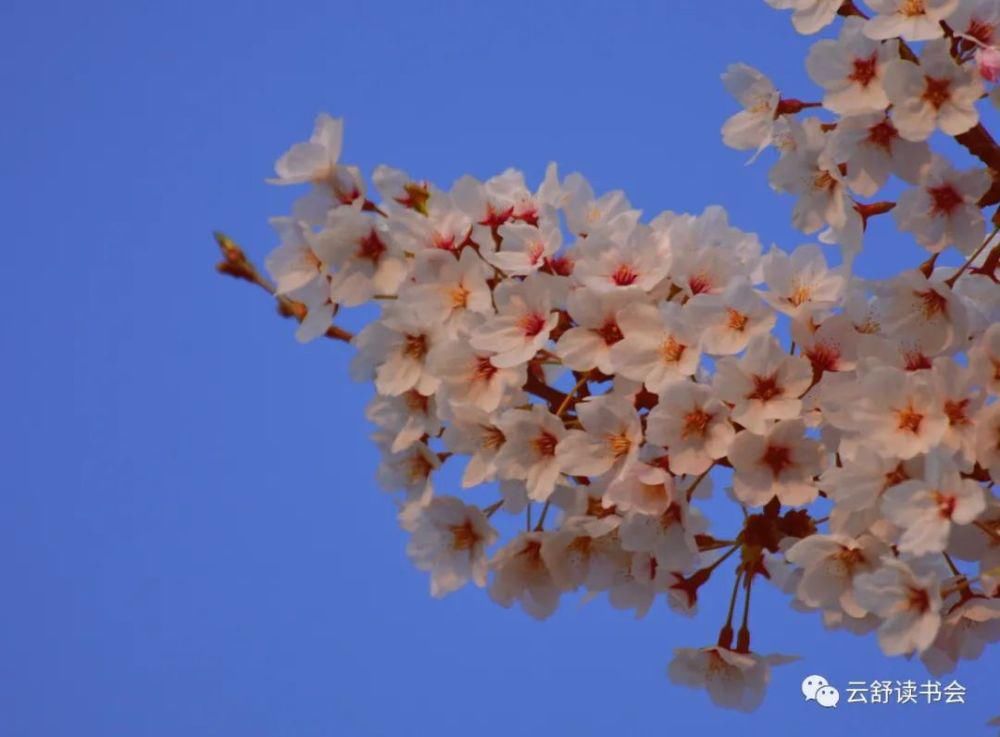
(988, 62)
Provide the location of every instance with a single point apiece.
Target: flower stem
(726, 633)
(743, 637)
(950, 281)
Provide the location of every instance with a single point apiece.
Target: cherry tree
(596, 373)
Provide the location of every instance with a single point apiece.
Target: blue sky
(191, 538)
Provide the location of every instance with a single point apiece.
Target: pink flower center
(624, 275)
(560, 265)
(484, 369)
(495, 217)
(696, 423)
(956, 412)
(944, 199)
(415, 346)
(883, 135)
(864, 70)
(933, 304)
(937, 91)
(610, 332)
(824, 356)
(945, 503)
(545, 444)
(918, 600)
(777, 458)
(531, 324)
(444, 242)
(416, 402)
(980, 30)
(765, 388)
(915, 361)
(371, 247)
(464, 536)
(909, 420)
(699, 283)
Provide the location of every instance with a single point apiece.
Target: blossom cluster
(598, 370)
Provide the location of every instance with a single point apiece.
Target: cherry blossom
(830, 564)
(449, 539)
(809, 16)
(942, 209)
(659, 345)
(733, 680)
(911, 20)
(765, 384)
(871, 149)
(909, 603)
(314, 160)
(850, 70)
(693, 424)
(753, 127)
(926, 508)
(521, 575)
(530, 451)
(781, 462)
(978, 20)
(937, 93)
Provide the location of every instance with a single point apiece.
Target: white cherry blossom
(729, 320)
(692, 424)
(801, 282)
(521, 575)
(871, 149)
(588, 345)
(780, 462)
(733, 680)
(942, 210)
(610, 439)
(830, 564)
(314, 160)
(850, 69)
(911, 20)
(926, 508)
(659, 345)
(752, 127)
(936, 93)
(530, 451)
(909, 603)
(809, 16)
(449, 538)
(523, 322)
(764, 384)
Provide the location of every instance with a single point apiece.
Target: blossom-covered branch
(603, 371)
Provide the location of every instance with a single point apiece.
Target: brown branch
(552, 396)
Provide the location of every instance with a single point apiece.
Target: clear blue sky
(191, 539)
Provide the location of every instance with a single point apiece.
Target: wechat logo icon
(818, 689)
